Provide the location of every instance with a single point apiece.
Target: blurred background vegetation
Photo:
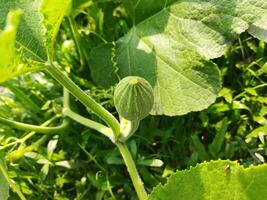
(82, 164)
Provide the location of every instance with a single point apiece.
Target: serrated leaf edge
(205, 163)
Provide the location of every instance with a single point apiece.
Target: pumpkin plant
(161, 66)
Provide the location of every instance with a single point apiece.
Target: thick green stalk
(66, 99)
(130, 164)
(84, 121)
(90, 103)
(39, 129)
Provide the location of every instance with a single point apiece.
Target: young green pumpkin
(133, 98)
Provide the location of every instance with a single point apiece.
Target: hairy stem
(90, 103)
(84, 121)
(66, 99)
(130, 164)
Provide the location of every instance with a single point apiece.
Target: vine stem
(39, 129)
(131, 167)
(29, 135)
(84, 121)
(128, 160)
(90, 103)
(90, 123)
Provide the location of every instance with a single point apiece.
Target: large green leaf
(4, 186)
(30, 36)
(224, 180)
(31, 42)
(170, 45)
(11, 62)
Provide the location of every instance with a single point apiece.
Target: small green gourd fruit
(133, 98)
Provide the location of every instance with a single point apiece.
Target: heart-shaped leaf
(170, 45)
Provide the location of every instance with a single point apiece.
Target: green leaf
(102, 60)
(11, 62)
(259, 29)
(4, 186)
(51, 146)
(224, 180)
(140, 10)
(53, 12)
(200, 148)
(170, 45)
(217, 143)
(30, 34)
(256, 133)
(25, 44)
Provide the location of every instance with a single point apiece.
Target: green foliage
(133, 98)
(258, 132)
(81, 164)
(170, 47)
(223, 180)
